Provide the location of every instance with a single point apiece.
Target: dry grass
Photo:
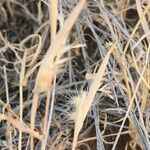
(74, 74)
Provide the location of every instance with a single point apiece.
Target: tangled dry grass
(74, 74)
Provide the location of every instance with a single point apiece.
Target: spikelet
(84, 100)
(81, 106)
(55, 49)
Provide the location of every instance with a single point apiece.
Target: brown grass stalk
(53, 13)
(20, 126)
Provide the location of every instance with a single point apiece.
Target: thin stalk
(23, 63)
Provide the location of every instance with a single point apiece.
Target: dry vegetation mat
(75, 74)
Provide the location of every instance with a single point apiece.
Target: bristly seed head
(78, 103)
